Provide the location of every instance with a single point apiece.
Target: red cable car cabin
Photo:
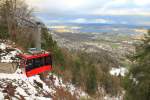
(35, 64)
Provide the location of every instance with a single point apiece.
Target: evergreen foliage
(137, 83)
(3, 32)
(86, 70)
(91, 83)
(49, 44)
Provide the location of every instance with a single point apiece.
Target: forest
(89, 71)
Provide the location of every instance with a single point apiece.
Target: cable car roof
(31, 56)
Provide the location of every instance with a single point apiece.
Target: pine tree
(76, 72)
(51, 45)
(91, 83)
(137, 83)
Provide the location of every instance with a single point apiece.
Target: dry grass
(61, 94)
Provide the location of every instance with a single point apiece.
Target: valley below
(117, 45)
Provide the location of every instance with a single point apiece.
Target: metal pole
(38, 38)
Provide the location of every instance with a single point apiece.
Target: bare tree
(13, 12)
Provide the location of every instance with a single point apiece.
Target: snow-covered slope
(17, 86)
(7, 53)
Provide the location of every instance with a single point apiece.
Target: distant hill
(99, 28)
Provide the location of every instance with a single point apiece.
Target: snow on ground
(69, 87)
(24, 86)
(118, 71)
(17, 86)
(29, 89)
(1, 96)
(7, 53)
(113, 98)
(2, 46)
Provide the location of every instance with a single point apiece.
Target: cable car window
(48, 60)
(42, 62)
(37, 62)
(29, 65)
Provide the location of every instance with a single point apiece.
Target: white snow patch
(113, 98)
(45, 87)
(6, 58)
(26, 86)
(69, 87)
(8, 53)
(118, 71)
(2, 46)
(21, 91)
(1, 96)
(37, 98)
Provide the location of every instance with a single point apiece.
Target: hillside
(15, 85)
(18, 86)
(85, 65)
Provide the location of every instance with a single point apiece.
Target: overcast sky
(86, 8)
(96, 7)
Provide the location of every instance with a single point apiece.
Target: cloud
(91, 7)
(126, 11)
(103, 21)
(80, 20)
(142, 2)
(57, 5)
(124, 7)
